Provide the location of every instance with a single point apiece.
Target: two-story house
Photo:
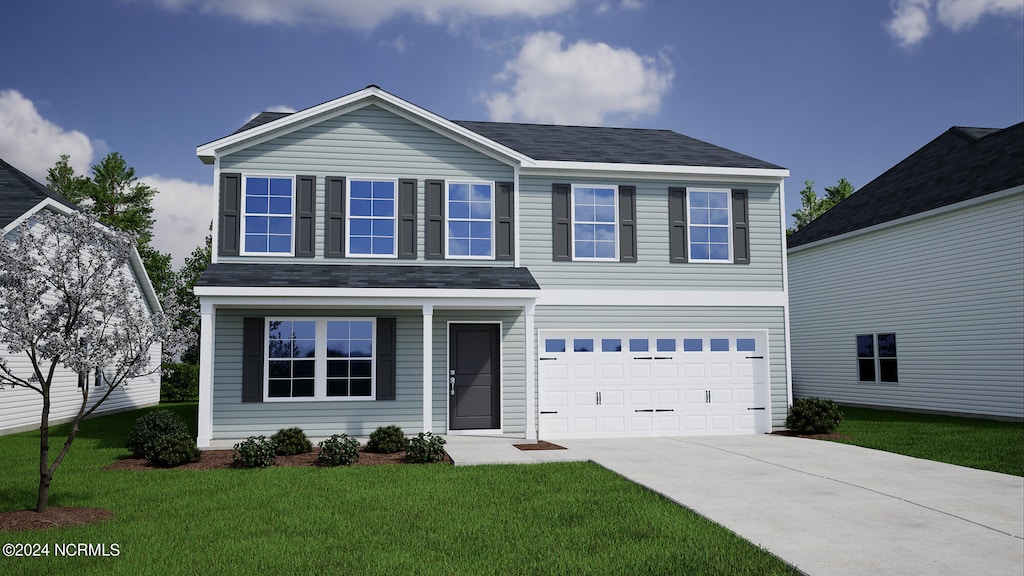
(375, 263)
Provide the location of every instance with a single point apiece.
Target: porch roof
(366, 276)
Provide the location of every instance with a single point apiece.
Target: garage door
(659, 383)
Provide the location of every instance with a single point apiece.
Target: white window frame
(614, 224)
(349, 217)
(245, 183)
(320, 360)
(448, 220)
(690, 224)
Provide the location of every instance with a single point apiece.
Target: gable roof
(525, 143)
(960, 164)
(19, 193)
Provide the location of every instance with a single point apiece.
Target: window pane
(480, 230)
(718, 200)
(458, 210)
(383, 246)
(887, 370)
(362, 207)
(302, 388)
(361, 329)
(480, 210)
(638, 345)
(256, 205)
(719, 252)
(604, 232)
(604, 196)
(383, 228)
(337, 368)
(554, 345)
(693, 345)
(458, 229)
(584, 232)
(359, 245)
(585, 250)
(279, 226)
(887, 346)
(701, 234)
(700, 251)
(666, 345)
(361, 227)
(699, 216)
(866, 370)
(865, 346)
(458, 247)
(718, 216)
(256, 225)
(384, 190)
(337, 387)
(583, 195)
(257, 186)
(361, 348)
(281, 187)
(384, 208)
(458, 192)
(361, 368)
(611, 345)
(585, 213)
(361, 189)
(583, 345)
(280, 205)
(482, 193)
(604, 214)
(337, 330)
(279, 244)
(279, 389)
(280, 369)
(480, 247)
(604, 250)
(303, 368)
(719, 344)
(699, 199)
(719, 235)
(745, 344)
(360, 387)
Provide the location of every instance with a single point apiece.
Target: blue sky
(828, 89)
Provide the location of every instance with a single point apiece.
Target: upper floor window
(876, 358)
(371, 218)
(594, 230)
(709, 225)
(268, 210)
(470, 217)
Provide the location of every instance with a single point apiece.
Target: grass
(571, 518)
(971, 442)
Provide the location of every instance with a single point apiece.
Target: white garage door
(657, 383)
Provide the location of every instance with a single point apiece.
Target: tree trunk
(44, 456)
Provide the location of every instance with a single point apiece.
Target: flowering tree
(67, 302)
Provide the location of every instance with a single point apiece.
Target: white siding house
(375, 264)
(910, 293)
(22, 199)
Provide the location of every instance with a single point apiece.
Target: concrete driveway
(826, 508)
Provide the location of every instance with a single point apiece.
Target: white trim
(428, 367)
(531, 388)
(516, 232)
(447, 219)
(913, 218)
(690, 224)
(207, 321)
(44, 203)
(501, 379)
(215, 228)
(320, 359)
(785, 290)
(573, 221)
(413, 296)
(243, 214)
(550, 167)
(348, 217)
(675, 298)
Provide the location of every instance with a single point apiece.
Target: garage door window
(745, 344)
(693, 345)
(611, 345)
(583, 345)
(666, 345)
(554, 345)
(719, 344)
(638, 345)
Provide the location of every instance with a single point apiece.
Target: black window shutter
(677, 249)
(627, 223)
(230, 223)
(305, 225)
(434, 231)
(252, 359)
(407, 245)
(561, 223)
(504, 221)
(387, 372)
(334, 217)
(740, 228)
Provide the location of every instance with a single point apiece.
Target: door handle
(451, 383)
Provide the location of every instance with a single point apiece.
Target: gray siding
(683, 318)
(369, 142)
(951, 286)
(652, 265)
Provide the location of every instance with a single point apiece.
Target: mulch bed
(539, 445)
(208, 460)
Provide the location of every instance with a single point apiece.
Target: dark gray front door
(473, 377)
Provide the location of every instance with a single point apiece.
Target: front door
(474, 379)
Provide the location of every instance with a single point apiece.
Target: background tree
(115, 196)
(811, 206)
(181, 383)
(64, 303)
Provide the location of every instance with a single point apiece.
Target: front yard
(971, 442)
(393, 519)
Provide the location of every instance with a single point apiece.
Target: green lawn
(574, 518)
(971, 442)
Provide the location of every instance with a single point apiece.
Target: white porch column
(531, 391)
(428, 366)
(207, 315)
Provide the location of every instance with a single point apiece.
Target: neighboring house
(910, 293)
(375, 264)
(23, 199)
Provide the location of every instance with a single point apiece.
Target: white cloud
(367, 14)
(33, 144)
(279, 108)
(911, 21)
(584, 83)
(182, 212)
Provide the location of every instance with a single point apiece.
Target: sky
(826, 88)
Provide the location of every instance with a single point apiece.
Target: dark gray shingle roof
(367, 276)
(962, 163)
(19, 193)
(594, 144)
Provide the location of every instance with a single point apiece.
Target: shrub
(387, 440)
(174, 449)
(180, 383)
(149, 428)
(338, 450)
(425, 448)
(255, 452)
(291, 441)
(814, 416)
